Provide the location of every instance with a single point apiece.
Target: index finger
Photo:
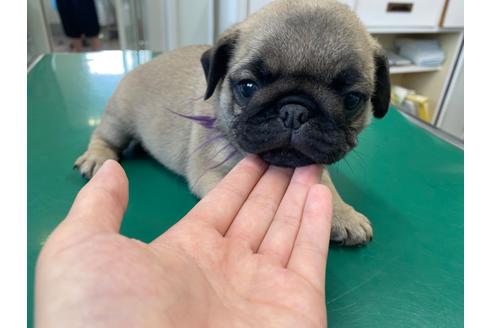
(221, 205)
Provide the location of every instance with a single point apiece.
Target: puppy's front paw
(350, 228)
(92, 160)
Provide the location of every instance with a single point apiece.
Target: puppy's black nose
(293, 115)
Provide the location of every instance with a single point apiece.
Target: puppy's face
(297, 82)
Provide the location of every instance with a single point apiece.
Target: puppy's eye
(247, 89)
(352, 100)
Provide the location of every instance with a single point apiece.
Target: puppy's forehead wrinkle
(299, 35)
(329, 57)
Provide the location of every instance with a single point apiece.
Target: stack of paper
(396, 60)
(426, 53)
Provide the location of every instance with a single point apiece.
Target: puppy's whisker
(227, 158)
(221, 149)
(190, 101)
(358, 152)
(348, 164)
(199, 98)
(360, 157)
(215, 136)
(333, 170)
(206, 121)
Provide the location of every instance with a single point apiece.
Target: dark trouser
(79, 17)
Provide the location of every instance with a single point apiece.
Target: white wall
(228, 13)
(51, 15)
(155, 25)
(171, 24)
(193, 22)
(38, 41)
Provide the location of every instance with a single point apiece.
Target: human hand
(252, 252)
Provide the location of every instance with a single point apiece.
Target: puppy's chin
(286, 157)
(290, 157)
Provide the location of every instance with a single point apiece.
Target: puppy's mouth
(284, 147)
(291, 157)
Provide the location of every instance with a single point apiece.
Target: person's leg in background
(79, 17)
(95, 43)
(89, 22)
(76, 44)
(68, 17)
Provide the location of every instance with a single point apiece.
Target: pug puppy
(295, 83)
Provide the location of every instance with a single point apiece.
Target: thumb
(101, 204)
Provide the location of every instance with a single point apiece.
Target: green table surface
(408, 182)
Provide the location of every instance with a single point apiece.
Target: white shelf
(412, 69)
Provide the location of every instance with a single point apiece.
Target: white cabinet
(398, 13)
(377, 15)
(454, 14)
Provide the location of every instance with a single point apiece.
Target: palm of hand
(253, 288)
(204, 271)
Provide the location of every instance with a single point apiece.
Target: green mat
(408, 182)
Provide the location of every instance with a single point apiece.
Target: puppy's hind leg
(107, 141)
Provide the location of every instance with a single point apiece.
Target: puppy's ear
(382, 92)
(216, 59)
